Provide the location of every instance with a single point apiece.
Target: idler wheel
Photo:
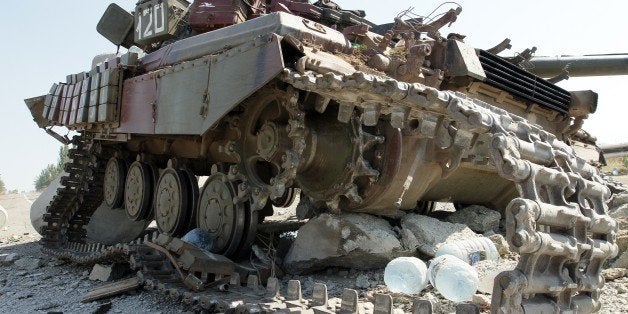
(172, 202)
(138, 191)
(220, 216)
(113, 188)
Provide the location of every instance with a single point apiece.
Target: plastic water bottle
(453, 278)
(199, 238)
(406, 275)
(471, 251)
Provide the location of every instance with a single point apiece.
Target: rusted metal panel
(139, 98)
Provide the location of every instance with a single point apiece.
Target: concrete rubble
(357, 241)
(427, 234)
(106, 273)
(501, 244)
(478, 218)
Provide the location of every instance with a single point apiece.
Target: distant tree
(52, 171)
(3, 189)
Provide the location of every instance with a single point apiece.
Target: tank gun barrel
(587, 65)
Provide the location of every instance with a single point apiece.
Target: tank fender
(237, 73)
(231, 79)
(36, 106)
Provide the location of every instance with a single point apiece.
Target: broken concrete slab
(107, 272)
(478, 218)
(488, 270)
(29, 263)
(428, 234)
(357, 241)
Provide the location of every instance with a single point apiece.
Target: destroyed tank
(275, 99)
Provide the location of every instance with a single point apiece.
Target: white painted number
(150, 21)
(148, 31)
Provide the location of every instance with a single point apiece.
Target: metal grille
(522, 84)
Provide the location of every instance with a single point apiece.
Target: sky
(46, 40)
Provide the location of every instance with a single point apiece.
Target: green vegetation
(52, 171)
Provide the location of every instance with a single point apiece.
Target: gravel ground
(56, 286)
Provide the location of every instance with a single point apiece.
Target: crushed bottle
(471, 250)
(406, 275)
(453, 278)
(199, 238)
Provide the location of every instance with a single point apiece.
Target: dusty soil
(57, 286)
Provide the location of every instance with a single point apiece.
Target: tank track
(559, 223)
(78, 197)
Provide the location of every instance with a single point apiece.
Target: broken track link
(559, 224)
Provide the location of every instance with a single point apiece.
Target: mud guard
(231, 79)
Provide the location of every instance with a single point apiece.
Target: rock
(350, 241)
(617, 200)
(430, 233)
(488, 270)
(107, 272)
(482, 300)
(477, 218)
(29, 263)
(501, 244)
(611, 274)
(622, 290)
(8, 259)
(362, 282)
(621, 261)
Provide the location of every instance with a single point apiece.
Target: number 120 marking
(150, 22)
